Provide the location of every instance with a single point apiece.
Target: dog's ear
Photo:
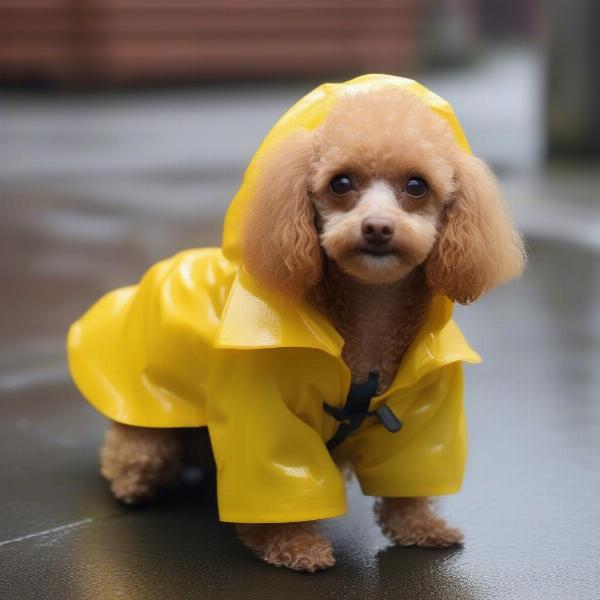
(280, 243)
(478, 246)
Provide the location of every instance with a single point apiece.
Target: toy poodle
(368, 218)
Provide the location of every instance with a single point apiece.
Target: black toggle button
(388, 419)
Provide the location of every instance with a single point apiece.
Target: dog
(376, 220)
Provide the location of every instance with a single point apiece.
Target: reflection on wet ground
(529, 506)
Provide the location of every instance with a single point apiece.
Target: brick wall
(104, 41)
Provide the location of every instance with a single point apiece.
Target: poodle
(366, 217)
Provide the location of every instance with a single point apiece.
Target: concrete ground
(95, 189)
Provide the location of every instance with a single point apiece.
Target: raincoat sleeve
(141, 354)
(428, 457)
(264, 412)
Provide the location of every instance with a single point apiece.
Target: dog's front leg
(297, 546)
(413, 522)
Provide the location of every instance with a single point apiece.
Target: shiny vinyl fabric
(198, 342)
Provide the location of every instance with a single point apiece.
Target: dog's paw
(412, 522)
(132, 490)
(317, 556)
(296, 546)
(435, 534)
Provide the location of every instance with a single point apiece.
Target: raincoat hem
(441, 483)
(296, 509)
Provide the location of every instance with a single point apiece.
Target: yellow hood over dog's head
(376, 175)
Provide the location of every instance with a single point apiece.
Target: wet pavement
(91, 209)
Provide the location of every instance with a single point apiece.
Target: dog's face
(377, 229)
(380, 179)
(380, 188)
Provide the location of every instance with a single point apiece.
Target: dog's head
(380, 189)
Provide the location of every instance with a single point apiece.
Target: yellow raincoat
(198, 342)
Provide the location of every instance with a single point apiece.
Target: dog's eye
(340, 185)
(416, 187)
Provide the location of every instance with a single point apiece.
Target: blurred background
(125, 128)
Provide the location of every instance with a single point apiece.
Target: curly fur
(279, 241)
(138, 460)
(377, 322)
(478, 247)
(297, 546)
(302, 241)
(412, 522)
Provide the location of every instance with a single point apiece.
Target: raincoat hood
(198, 342)
(310, 112)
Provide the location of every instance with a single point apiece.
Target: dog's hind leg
(297, 546)
(138, 460)
(413, 522)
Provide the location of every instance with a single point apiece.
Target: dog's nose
(377, 230)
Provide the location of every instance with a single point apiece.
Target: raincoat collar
(255, 318)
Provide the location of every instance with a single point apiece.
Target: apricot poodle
(367, 217)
